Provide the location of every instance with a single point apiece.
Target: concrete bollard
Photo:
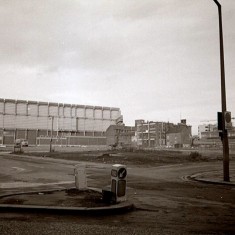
(80, 177)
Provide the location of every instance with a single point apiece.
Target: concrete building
(67, 124)
(205, 128)
(211, 139)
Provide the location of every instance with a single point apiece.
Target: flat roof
(59, 104)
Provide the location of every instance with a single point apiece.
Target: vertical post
(142, 135)
(148, 134)
(36, 137)
(52, 120)
(223, 99)
(57, 127)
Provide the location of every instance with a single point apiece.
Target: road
(166, 202)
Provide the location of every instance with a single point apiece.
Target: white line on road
(18, 168)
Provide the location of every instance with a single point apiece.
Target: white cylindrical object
(80, 177)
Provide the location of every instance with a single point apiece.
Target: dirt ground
(141, 158)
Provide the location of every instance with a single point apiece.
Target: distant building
(151, 133)
(157, 134)
(212, 139)
(179, 135)
(205, 128)
(68, 124)
(120, 135)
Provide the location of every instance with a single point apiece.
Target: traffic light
(227, 120)
(220, 121)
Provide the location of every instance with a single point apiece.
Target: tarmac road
(166, 201)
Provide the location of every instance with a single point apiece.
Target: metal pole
(148, 134)
(57, 133)
(52, 120)
(142, 134)
(160, 136)
(223, 99)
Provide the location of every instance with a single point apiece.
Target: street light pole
(223, 99)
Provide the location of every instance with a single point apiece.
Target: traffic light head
(227, 120)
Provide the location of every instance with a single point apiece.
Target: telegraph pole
(223, 99)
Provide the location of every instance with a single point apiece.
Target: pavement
(214, 177)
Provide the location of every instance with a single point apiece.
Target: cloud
(148, 57)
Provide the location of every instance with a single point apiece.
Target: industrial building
(205, 128)
(150, 133)
(160, 134)
(66, 124)
(211, 139)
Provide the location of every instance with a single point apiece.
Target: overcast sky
(156, 60)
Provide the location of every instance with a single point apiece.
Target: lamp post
(223, 99)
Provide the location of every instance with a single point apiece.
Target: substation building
(66, 124)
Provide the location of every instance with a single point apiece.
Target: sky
(156, 60)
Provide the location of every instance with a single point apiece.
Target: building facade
(151, 133)
(179, 135)
(69, 124)
(160, 134)
(205, 128)
(120, 135)
(211, 139)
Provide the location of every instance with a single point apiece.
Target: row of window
(31, 122)
(45, 110)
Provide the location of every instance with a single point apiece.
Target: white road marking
(18, 168)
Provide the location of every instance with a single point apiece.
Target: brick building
(120, 135)
(159, 134)
(179, 135)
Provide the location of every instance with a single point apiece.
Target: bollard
(80, 177)
(118, 182)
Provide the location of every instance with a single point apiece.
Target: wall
(174, 139)
(120, 135)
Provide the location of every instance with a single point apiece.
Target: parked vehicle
(21, 142)
(25, 143)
